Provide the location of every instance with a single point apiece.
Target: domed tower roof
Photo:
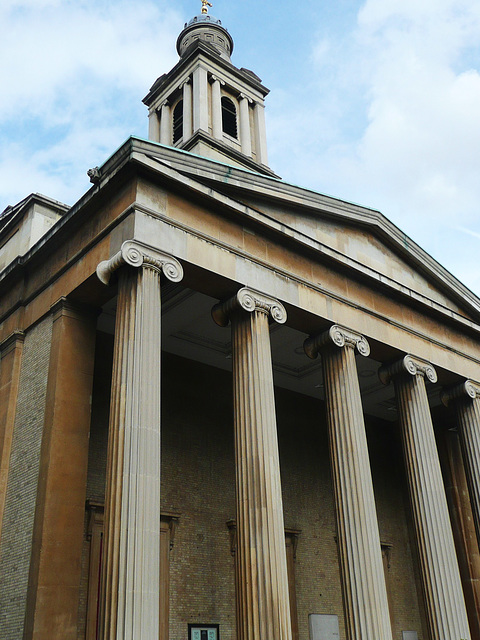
(206, 105)
(209, 29)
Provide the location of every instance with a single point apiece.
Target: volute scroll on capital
(468, 390)
(408, 365)
(213, 78)
(137, 254)
(243, 96)
(336, 336)
(249, 300)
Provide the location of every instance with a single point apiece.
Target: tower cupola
(207, 29)
(205, 104)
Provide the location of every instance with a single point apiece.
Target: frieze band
(137, 254)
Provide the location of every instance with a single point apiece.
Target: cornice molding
(137, 254)
(11, 342)
(409, 365)
(249, 300)
(66, 307)
(336, 336)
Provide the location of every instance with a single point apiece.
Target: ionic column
(466, 401)
(187, 110)
(165, 124)
(217, 128)
(131, 562)
(263, 611)
(445, 604)
(245, 134)
(365, 595)
(260, 133)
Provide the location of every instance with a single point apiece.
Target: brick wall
(198, 480)
(19, 515)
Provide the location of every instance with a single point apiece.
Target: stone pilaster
(263, 611)
(445, 604)
(10, 357)
(466, 401)
(154, 125)
(166, 124)
(363, 580)
(200, 99)
(187, 109)
(245, 132)
(260, 133)
(217, 129)
(55, 565)
(131, 565)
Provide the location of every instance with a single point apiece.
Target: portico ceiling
(189, 331)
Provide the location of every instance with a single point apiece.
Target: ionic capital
(249, 300)
(339, 337)
(138, 255)
(243, 96)
(214, 78)
(159, 108)
(468, 390)
(408, 365)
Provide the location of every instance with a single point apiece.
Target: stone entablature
(22, 226)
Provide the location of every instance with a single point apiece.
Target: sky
(372, 101)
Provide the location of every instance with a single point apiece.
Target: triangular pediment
(357, 240)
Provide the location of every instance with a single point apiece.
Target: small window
(203, 632)
(178, 122)
(229, 117)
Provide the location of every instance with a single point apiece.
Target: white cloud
(74, 84)
(404, 134)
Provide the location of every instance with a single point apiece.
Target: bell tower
(205, 104)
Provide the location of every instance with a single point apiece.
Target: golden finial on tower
(205, 5)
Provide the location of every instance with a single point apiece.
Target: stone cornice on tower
(196, 48)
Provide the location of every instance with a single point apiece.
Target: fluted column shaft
(365, 595)
(466, 401)
(445, 604)
(263, 611)
(131, 563)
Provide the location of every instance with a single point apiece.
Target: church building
(231, 408)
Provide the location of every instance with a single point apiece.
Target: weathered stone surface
(263, 609)
(358, 537)
(445, 604)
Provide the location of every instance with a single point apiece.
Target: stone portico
(168, 474)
